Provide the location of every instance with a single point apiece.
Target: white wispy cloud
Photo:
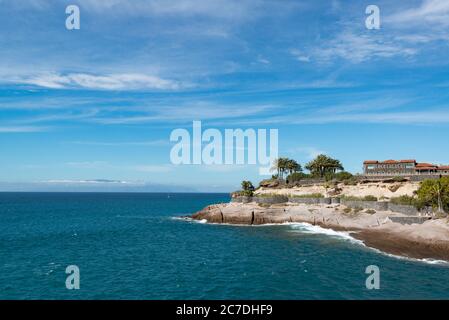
(237, 10)
(22, 129)
(151, 143)
(429, 12)
(90, 181)
(423, 24)
(263, 60)
(361, 47)
(227, 168)
(299, 55)
(153, 168)
(88, 164)
(124, 81)
(418, 117)
(190, 112)
(310, 152)
(341, 114)
(70, 116)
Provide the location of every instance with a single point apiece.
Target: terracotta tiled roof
(407, 161)
(419, 165)
(389, 161)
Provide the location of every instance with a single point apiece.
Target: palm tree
(285, 165)
(293, 166)
(334, 165)
(279, 165)
(323, 164)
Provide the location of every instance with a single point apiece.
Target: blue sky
(92, 109)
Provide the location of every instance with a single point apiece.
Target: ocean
(133, 246)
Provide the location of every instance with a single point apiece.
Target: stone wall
(270, 200)
(242, 199)
(405, 209)
(382, 206)
(409, 220)
(413, 178)
(309, 200)
(281, 199)
(308, 182)
(304, 200)
(374, 205)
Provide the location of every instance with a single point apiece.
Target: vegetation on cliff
(431, 193)
(284, 166)
(435, 194)
(323, 165)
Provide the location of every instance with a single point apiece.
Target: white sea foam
(311, 229)
(303, 227)
(424, 260)
(189, 219)
(308, 228)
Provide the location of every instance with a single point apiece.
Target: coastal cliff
(377, 229)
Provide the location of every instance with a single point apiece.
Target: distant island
(397, 206)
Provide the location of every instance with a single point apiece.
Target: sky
(93, 109)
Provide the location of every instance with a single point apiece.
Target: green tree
(292, 166)
(323, 165)
(343, 175)
(280, 166)
(247, 186)
(435, 194)
(297, 176)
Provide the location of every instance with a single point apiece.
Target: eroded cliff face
(254, 214)
(212, 214)
(428, 240)
(377, 189)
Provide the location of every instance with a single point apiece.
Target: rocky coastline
(426, 240)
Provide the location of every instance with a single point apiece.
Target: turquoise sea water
(129, 246)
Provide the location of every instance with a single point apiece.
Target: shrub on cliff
(344, 175)
(306, 196)
(269, 183)
(278, 197)
(242, 193)
(435, 194)
(369, 198)
(404, 200)
(339, 176)
(247, 186)
(297, 176)
(365, 198)
(350, 182)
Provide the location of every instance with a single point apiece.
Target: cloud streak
(429, 12)
(124, 81)
(358, 48)
(22, 129)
